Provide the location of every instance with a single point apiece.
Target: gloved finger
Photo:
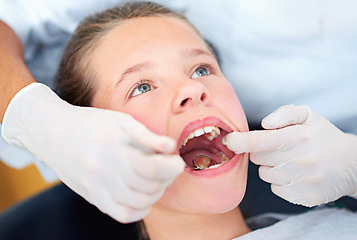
(296, 194)
(262, 141)
(237, 142)
(285, 116)
(142, 138)
(271, 158)
(134, 199)
(112, 187)
(147, 173)
(139, 183)
(157, 166)
(129, 215)
(284, 192)
(275, 175)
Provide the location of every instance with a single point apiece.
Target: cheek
(227, 100)
(152, 117)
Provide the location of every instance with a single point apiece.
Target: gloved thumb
(238, 142)
(285, 116)
(269, 140)
(260, 141)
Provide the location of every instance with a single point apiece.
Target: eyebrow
(194, 52)
(133, 69)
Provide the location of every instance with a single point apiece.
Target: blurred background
(17, 185)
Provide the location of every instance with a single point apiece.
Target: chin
(207, 195)
(222, 204)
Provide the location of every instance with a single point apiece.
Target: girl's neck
(165, 225)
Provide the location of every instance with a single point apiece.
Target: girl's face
(160, 71)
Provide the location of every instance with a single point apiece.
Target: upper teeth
(213, 130)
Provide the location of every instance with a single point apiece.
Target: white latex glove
(306, 159)
(107, 157)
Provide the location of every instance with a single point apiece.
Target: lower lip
(212, 172)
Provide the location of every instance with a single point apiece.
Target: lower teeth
(223, 157)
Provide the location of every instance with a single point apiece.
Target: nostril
(203, 97)
(184, 102)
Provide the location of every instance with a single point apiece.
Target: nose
(190, 93)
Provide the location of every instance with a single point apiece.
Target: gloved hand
(107, 157)
(306, 159)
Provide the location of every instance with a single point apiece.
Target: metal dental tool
(203, 162)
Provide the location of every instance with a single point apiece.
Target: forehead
(146, 33)
(156, 24)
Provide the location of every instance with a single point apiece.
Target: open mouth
(203, 149)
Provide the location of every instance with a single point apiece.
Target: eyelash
(209, 67)
(137, 85)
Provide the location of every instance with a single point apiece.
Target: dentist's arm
(14, 75)
(306, 159)
(107, 157)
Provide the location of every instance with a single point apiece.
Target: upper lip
(201, 123)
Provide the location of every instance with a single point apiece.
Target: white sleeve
(40, 22)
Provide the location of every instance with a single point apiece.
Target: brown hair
(75, 80)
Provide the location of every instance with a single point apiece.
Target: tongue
(189, 156)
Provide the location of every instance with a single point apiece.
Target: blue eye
(200, 72)
(140, 88)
